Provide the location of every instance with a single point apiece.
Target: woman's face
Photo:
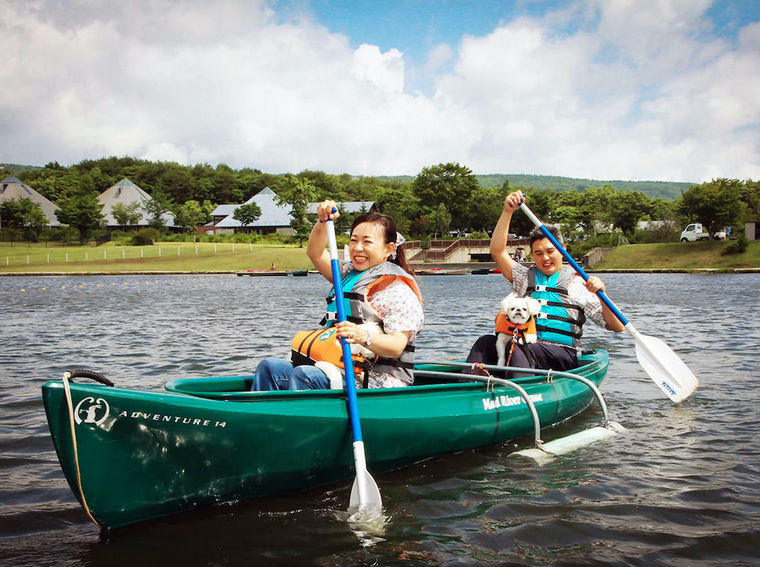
(367, 246)
(546, 256)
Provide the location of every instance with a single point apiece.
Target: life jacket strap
(331, 316)
(541, 287)
(546, 329)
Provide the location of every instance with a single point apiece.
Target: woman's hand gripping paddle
(364, 492)
(664, 366)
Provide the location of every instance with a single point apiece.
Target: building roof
(272, 214)
(13, 188)
(126, 193)
(348, 206)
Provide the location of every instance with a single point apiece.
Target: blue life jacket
(560, 320)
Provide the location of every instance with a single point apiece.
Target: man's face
(546, 256)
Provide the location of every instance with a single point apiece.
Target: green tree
(400, 203)
(247, 214)
(23, 216)
(193, 214)
(627, 209)
(449, 184)
(83, 212)
(440, 220)
(158, 204)
(298, 193)
(126, 215)
(750, 197)
(486, 206)
(716, 204)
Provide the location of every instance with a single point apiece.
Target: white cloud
(384, 70)
(637, 90)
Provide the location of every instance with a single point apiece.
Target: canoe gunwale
(242, 392)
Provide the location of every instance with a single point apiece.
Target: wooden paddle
(364, 492)
(664, 366)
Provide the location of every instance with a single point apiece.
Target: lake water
(680, 487)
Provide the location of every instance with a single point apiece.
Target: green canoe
(145, 454)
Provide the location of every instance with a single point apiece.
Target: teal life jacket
(560, 320)
(359, 311)
(352, 300)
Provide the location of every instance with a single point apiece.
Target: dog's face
(519, 310)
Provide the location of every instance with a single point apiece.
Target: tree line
(443, 199)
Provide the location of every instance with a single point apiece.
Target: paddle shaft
(664, 367)
(353, 409)
(581, 272)
(364, 492)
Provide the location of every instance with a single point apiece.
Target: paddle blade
(664, 366)
(372, 498)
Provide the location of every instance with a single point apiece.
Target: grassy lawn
(163, 256)
(228, 257)
(677, 255)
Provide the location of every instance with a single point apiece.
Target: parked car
(694, 231)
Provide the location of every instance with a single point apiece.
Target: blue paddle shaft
(353, 406)
(572, 261)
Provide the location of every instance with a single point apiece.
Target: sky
(665, 90)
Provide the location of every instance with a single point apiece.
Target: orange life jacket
(521, 330)
(312, 346)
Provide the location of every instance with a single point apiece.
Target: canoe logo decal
(165, 418)
(503, 401)
(90, 410)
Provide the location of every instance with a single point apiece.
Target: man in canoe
(566, 300)
(384, 310)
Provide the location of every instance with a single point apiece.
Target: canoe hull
(147, 454)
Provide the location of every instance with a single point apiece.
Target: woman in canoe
(566, 300)
(383, 305)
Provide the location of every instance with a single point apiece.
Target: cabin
(274, 217)
(12, 188)
(126, 193)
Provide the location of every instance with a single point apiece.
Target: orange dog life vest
(504, 325)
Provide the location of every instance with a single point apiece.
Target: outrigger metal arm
(664, 367)
(541, 452)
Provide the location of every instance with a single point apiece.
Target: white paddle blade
(364, 493)
(664, 366)
(372, 498)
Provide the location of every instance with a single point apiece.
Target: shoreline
(416, 267)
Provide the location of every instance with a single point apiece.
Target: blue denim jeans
(276, 374)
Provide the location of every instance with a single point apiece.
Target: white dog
(517, 313)
(335, 374)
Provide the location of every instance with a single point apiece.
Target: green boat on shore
(134, 455)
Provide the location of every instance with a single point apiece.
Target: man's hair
(536, 234)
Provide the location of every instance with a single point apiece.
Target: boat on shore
(480, 271)
(442, 272)
(257, 273)
(134, 455)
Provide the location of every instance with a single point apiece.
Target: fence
(42, 256)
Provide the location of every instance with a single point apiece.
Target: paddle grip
(353, 406)
(581, 272)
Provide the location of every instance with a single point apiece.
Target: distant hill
(14, 169)
(665, 190)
